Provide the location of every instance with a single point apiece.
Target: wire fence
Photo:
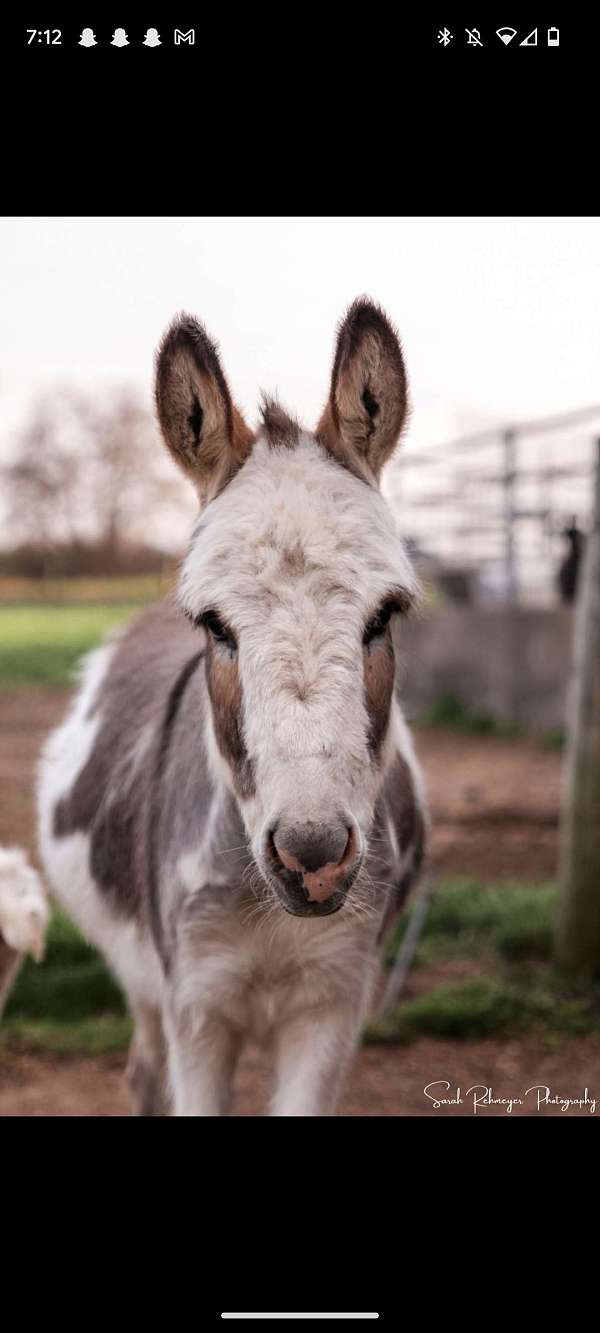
(489, 510)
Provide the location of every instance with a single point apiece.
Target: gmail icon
(189, 37)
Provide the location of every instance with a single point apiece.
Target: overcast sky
(499, 317)
(499, 320)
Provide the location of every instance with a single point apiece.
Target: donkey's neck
(225, 850)
(220, 857)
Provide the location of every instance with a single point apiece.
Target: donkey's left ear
(203, 429)
(368, 398)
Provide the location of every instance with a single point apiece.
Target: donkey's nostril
(272, 852)
(322, 854)
(350, 851)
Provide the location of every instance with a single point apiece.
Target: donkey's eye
(376, 626)
(219, 631)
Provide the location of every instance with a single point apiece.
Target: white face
(293, 560)
(295, 569)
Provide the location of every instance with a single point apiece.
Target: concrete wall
(512, 663)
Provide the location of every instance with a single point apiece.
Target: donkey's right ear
(203, 429)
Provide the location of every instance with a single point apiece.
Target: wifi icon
(506, 34)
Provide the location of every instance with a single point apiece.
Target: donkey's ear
(368, 398)
(205, 432)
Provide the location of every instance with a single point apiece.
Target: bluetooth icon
(445, 36)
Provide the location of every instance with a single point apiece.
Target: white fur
(23, 904)
(316, 551)
(297, 553)
(66, 860)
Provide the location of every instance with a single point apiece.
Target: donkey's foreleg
(10, 962)
(23, 905)
(313, 1052)
(203, 1050)
(147, 1064)
(23, 916)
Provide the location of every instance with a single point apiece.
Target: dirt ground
(384, 1081)
(494, 807)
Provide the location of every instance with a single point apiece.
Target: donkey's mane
(279, 427)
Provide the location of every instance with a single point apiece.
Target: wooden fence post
(578, 925)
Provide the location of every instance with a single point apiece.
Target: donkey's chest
(259, 975)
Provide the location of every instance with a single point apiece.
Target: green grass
(111, 588)
(507, 933)
(69, 1003)
(100, 1035)
(555, 738)
(42, 644)
(476, 1008)
(449, 711)
(496, 1007)
(469, 920)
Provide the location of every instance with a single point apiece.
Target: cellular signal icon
(506, 34)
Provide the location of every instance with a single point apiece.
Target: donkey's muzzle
(313, 864)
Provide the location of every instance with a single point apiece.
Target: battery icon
(553, 37)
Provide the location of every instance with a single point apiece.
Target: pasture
(41, 642)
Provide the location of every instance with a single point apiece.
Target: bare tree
(91, 472)
(42, 483)
(578, 929)
(130, 480)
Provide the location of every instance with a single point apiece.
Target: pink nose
(313, 852)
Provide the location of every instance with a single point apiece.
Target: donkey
(233, 811)
(23, 916)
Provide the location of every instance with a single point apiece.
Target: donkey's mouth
(292, 894)
(312, 866)
(306, 908)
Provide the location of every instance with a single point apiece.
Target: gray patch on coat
(399, 803)
(111, 795)
(168, 724)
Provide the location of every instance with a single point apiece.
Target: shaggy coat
(232, 810)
